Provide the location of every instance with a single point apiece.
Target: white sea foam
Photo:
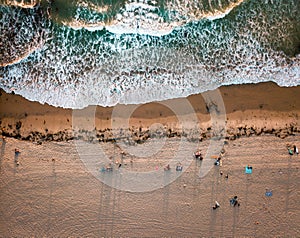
(77, 25)
(179, 80)
(21, 3)
(143, 17)
(75, 69)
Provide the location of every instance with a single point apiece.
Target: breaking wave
(94, 53)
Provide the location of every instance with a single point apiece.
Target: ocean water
(101, 52)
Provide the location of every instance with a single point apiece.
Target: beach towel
(248, 170)
(269, 193)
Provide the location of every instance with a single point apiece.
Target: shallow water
(42, 197)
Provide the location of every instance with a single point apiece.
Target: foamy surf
(20, 3)
(49, 62)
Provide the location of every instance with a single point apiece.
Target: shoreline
(250, 109)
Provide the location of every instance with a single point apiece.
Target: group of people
(233, 202)
(198, 155)
(179, 167)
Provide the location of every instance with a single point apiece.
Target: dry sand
(52, 194)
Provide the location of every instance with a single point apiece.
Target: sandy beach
(104, 131)
(51, 193)
(272, 109)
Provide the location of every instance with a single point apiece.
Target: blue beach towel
(248, 170)
(269, 193)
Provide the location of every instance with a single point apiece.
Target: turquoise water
(77, 53)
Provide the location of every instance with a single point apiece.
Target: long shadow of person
(2, 153)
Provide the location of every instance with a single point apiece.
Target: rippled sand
(51, 194)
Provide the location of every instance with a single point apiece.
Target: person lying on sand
(198, 155)
(218, 161)
(217, 205)
(17, 151)
(234, 201)
(290, 151)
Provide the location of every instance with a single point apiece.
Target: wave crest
(76, 68)
(22, 32)
(146, 17)
(20, 3)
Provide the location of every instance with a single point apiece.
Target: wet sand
(248, 109)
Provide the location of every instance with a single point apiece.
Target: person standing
(296, 151)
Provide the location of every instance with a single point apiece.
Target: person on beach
(131, 163)
(290, 151)
(179, 167)
(296, 152)
(122, 156)
(109, 168)
(218, 161)
(17, 152)
(217, 205)
(234, 201)
(198, 155)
